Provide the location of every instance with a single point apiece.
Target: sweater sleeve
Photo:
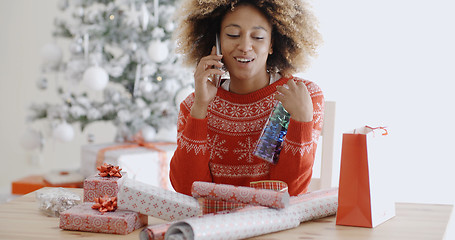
(190, 161)
(295, 164)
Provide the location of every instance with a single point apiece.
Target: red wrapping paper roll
(247, 195)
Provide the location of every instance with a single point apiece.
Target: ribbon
(109, 170)
(105, 204)
(380, 128)
(138, 141)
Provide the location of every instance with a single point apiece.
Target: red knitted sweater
(219, 148)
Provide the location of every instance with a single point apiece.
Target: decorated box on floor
(83, 218)
(34, 182)
(106, 183)
(156, 202)
(148, 163)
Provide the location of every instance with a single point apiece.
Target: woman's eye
(232, 35)
(258, 38)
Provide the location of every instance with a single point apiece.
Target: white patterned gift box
(157, 202)
(143, 164)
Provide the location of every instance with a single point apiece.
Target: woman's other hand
(204, 89)
(296, 99)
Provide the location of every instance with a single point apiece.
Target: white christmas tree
(122, 48)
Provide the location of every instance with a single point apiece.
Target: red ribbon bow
(109, 170)
(105, 204)
(380, 128)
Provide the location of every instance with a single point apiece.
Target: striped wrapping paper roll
(248, 195)
(254, 220)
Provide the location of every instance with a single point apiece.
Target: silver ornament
(76, 48)
(146, 85)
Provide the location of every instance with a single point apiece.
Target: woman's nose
(245, 44)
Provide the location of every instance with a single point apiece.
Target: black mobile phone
(217, 78)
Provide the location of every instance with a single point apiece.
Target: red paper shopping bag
(364, 198)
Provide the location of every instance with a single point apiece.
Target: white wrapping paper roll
(236, 225)
(254, 221)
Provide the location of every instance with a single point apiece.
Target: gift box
(34, 182)
(63, 177)
(157, 202)
(97, 186)
(83, 218)
(148, 163)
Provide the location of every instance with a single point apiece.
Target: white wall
(384, 62)
(391, 63)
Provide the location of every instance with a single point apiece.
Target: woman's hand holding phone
(205, 89)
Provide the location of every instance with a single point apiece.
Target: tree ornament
(31, 140)
(63, 132)
(52, 54)
(169, 27)
(146, 86)
(156, 8)
(158, 51)
(148, 133)
(79, 12)
(75, 48)
(132, 16)
(132, 46)
(145, 17)
(95, 78)
(41, 83)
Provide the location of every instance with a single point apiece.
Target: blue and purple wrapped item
(269, 144)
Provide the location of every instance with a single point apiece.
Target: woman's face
(246, 42)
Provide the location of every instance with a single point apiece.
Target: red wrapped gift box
(83, 218)
(34, 182)
(97, 186)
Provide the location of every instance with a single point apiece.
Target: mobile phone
(216, 77)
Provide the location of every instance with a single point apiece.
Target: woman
(263, 42)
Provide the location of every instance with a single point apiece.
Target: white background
(388, 63)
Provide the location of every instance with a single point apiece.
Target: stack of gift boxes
(118, 205)
(99, 211)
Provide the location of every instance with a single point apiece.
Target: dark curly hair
(294, 35)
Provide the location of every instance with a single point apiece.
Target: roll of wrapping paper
(158, 231)
(248, 195)
(214, 206)
(256, 220)
(154, 232)
(269, 144)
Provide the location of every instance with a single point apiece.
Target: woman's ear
(271, 48)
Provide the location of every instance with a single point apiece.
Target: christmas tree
(121, 50)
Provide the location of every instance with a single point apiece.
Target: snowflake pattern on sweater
(219, 148)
